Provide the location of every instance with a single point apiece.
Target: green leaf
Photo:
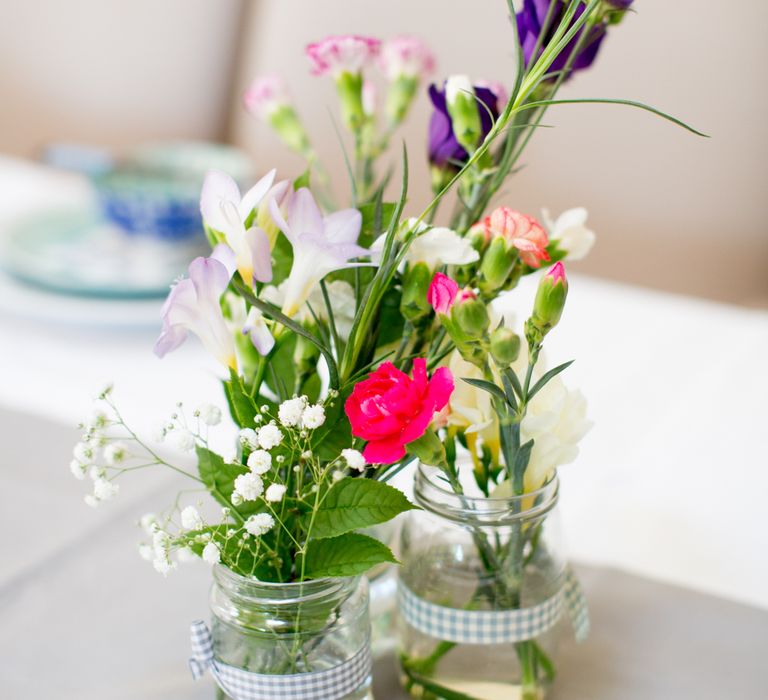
(335, 433)
(538, 386)
(354, 504)
(490, 387)
(219, 478)
(346, 555)
(522, 457)
(376, 219)
(302, 180)
(241, 405)
(627, 103)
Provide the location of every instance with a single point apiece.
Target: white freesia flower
(320, 245)
(249, 486)
(259, 524)
(556, 421)
(441, 246)
(570, 232)
(190, 518)
(275, 493)
(289, 412)
(313, 417)
(269, 436)
(354, 459)
(211, 553)
(259, 462)
(256, 328)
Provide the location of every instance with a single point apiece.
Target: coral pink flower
(348, 53)
(442, 293)
(406, 56)
(522, 231)
(391, 409)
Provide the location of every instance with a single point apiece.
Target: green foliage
(354, 504)
(346, 555)
(241, 406)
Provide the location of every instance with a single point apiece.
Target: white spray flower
(259, 461)
(249, 486)
(269, 436)
(354, 459)
(259, 524)
(115, 452)
(183, 439)
(78, 469)
(248, 438)
(211, 553)
(313, 416)
(148, 523)
(83, 452)
(185, 555)
(104, 489)
(209, 414)
(289, 412)
(146, 552)
(337, 475)
(190, 518)
(91, 500)
(275, 493)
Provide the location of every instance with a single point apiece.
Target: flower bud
(463, 109)
(350, 90)
(478, 237)
(442, 293)
(505, 346)
(470, 315)
(414, 302)
(400, 94)
(549, 303)
(496, 266)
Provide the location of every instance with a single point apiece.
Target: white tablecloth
(671, 483)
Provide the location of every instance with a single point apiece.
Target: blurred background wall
(671, 210)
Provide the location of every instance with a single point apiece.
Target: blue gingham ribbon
(238, 684)
(496, 626)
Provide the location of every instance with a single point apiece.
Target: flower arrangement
(354, 341)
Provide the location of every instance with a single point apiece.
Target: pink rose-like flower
(406, 56)
(522, 231)
(442, 293)
(265, 94)
(391, 409)
(348, 53)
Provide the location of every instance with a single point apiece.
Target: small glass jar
(290, 628)
(481, 604)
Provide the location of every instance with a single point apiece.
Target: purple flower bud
(443, 144)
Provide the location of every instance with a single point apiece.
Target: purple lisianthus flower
(532, 24)
(443, 145)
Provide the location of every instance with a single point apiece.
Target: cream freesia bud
(463, 109)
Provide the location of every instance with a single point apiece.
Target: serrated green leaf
(219, 478)
(354, 504)
(346, 555)
(241, 406)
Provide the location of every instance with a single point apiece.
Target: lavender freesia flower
(193, 305)
(225, 211)
(532, 24)
(443, 144)
(320, 245)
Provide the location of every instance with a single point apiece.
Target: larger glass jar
(481, 602)
(286, 629)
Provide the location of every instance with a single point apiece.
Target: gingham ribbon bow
(330, 684)
(496, 626)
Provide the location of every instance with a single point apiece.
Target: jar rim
(484, 510)
(284, 593)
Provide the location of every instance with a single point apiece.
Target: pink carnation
(406, 56)
(391, 409)
(335, 55)
(265, 94)
(442, 293)
(522, 231)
